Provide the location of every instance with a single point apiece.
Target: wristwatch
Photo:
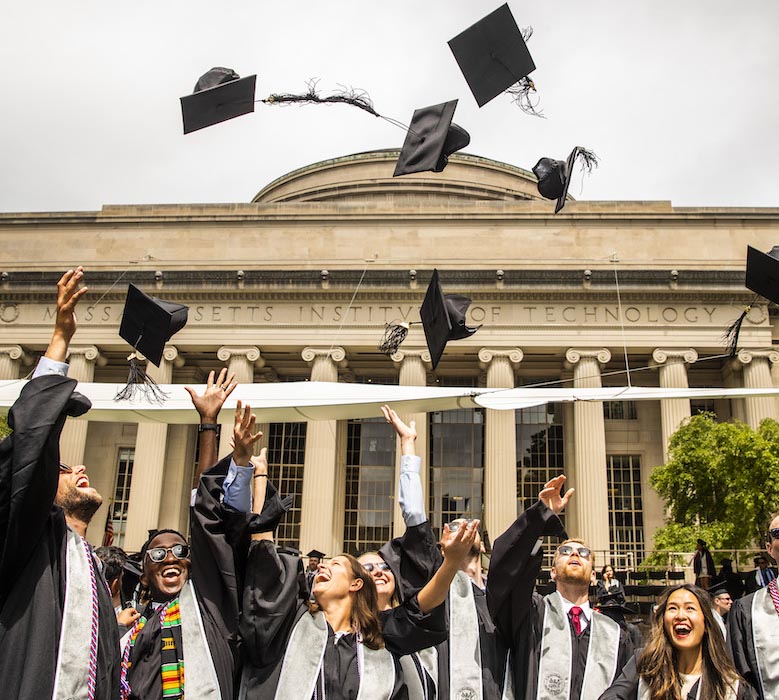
(207, 426)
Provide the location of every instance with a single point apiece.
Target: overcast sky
(679, 98)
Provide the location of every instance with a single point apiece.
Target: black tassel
(140, 383)
(730, 336)
(394, 335)
(587, 158)
(349, 96)
(525, 96)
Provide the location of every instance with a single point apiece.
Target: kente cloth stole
(464, 643)
(765, 637)
(172, 658)
(554, 672)
(695, 693)
(76, 672)
(303, 662)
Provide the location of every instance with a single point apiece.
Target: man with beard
(560, 647)
(58, 633)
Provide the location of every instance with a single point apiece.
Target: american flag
(108, 533)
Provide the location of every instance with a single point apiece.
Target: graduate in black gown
(753, 630)
(555, 639)
(685, 657)
(186, 642)
(293, 649)
(57, 623)
(415, 558)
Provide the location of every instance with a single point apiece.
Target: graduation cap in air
(554, 176)
(443, 318)
(762, 277)
(147, 324)
(316, 553)
(492, 55)
(431, 139)
(219, 95)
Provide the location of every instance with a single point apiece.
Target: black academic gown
(271, 607)
(33, 548)
(625, 687)
(518, 611)
(218, 539)
(740, 639)
(414, 558)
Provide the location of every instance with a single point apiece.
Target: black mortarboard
(316, 553)
(717, 589)
(554, 176)
(148, 323)
(763, 273)
(219, 95)
(443, 318)
(762, 277)
(430, 140)
(492, 55)
(615, 602)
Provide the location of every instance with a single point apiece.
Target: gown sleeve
(625, 687)
(407, 629)
(29, 468)
(740, 640)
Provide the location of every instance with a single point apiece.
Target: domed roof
(368, 176)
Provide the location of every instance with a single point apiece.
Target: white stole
(200, 679)
(70, 677)
(464, 646)
(554, 672)
(765, 637)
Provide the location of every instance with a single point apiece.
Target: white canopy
(300, 401)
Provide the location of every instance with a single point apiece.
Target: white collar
(586, 609)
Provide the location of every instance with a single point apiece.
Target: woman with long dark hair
(685, 657)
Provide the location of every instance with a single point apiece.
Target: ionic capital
(574, 355)
(89, 353)
(14, 352)
(251, 353)
(336, 354)
(662, 356)
(423, 354)
(746, 356)
(487, 355)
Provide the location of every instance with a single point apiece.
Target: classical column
(11, 357)
(413, 366)
(590, 479)
(757, 375)
(500, 443)
(143, 510)
(242, 362)
(318, 522)
(74, 435)
(672, 365)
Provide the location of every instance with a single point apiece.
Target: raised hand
(550, 494)
(210, 402)
(244, 437)
(68, 295)
(406, 433)
(456, 545)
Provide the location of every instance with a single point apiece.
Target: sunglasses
(65, 469)
(566, 550)
(774, 533)
(159, 554)
(380, 566)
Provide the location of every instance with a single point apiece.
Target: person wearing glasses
(329, 647)
(472, 661)
(58, 633)
(186, 638)
(561, 648)
(753, 629)
(721, 605)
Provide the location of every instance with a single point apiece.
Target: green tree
(4, 429)
(721, 483)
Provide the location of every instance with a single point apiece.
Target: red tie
(575, 613)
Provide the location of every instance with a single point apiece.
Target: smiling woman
(685, 656)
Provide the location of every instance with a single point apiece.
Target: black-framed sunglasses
(159, 554)
(65, 469)
(378, 566)
(774, 533)
(566, 550)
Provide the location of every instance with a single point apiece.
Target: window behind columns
(286, 455)
(626, 519)
(540, 454)
(370, 484)
(124, 475)
(456, 465)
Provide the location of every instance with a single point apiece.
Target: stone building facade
(299, 283)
